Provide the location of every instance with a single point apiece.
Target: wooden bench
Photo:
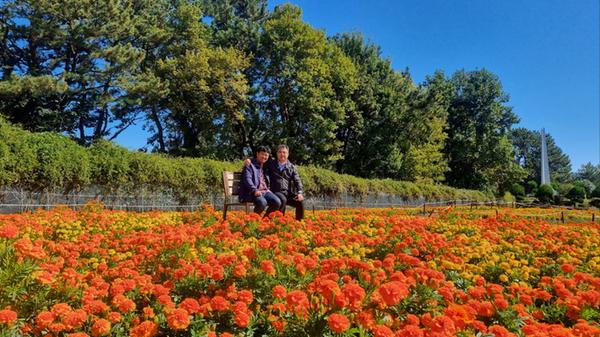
(231, 188)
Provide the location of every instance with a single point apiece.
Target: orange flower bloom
(297, 302)
(382, 331)
(268, 267)
(179, 319)
(8, 317)
(9, 231)
(219, 303)
(279, 291)
(393, 292)
(101, 327)
(44, 319)
(145, 329)
(338, 323)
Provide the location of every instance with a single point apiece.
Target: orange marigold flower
(393, 292)
(44, 319)
(500, 302)
(268, 267)
(78, 334)
(179, 319)
(60, 309)
(241, 318)
(525, 299)
(101, 327)
(7, 317)
(365, 319)
(461, 315)
(279, 325)
(297, 301)
(499, 331)
(114, 316)
(239, 270)
(219, 303)
(279, 291)
(382, 331)
(190, 305)
(411, 331)
(75, 319)
(148, 312)
(567, 268)
(9, 231)
(145, 329)
(443, 325)
(245, 296)
(95, 307)
(338, 323)
(354, 294)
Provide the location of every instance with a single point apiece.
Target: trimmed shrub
(518, 191)
(576, 194)
(545, 193)
(596, 192)
(531, 187)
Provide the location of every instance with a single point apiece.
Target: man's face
(262, 157)
(282, 155)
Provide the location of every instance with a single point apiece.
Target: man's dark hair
(263, 148)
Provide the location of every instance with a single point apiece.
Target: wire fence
(20, 200)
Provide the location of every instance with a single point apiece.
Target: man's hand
(299, 197)
(247, 162)
(257, 194)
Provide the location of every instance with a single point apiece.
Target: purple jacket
(251, 180)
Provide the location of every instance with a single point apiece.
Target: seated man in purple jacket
(255, 184)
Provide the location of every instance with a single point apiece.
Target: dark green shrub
(110, 166)
(595, 202)
(531, 187)
(518, 191)
(596, 192)
(544, 193)
(576, 194)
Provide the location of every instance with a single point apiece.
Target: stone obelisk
(545, 167)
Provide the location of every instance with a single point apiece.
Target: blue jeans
(267, 199)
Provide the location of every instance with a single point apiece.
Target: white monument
(545, 167)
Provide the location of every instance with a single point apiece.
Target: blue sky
(546, 53)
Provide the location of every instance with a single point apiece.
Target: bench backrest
(231, 183)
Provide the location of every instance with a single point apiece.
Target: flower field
(385, 272)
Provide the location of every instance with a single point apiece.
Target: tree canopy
(216, 79)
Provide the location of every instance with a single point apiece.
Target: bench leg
(246, 208)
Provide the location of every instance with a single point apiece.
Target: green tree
(66, 64)
(305, 88)
(589, 172)
(527, 147)
(239, 24)
(478, 149)
(395, 130)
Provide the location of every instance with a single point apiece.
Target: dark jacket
(251, 180)
(286, 181)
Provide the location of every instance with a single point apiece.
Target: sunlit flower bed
(350, 272)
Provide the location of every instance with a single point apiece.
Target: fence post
(562, 216)
(424, 209)
(593, 217)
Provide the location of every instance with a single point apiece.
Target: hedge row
(52, 162)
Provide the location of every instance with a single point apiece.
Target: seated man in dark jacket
(255, 184)
(285, 181)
